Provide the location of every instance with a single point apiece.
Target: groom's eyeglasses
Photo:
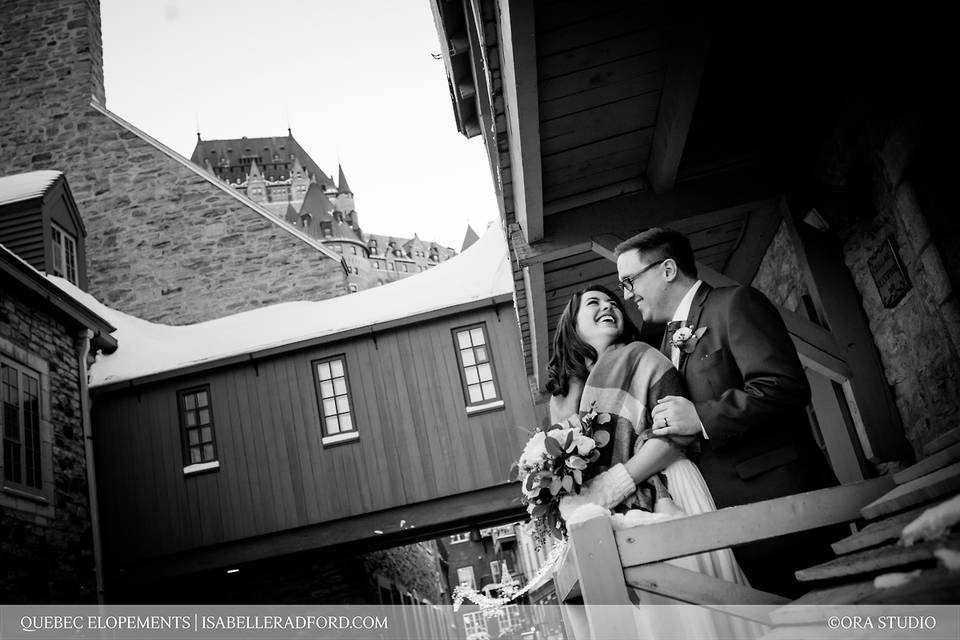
(626, 283)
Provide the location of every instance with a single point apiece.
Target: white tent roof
(23, 186)
(146, 348)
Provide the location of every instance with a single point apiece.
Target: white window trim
(482, 408)
(341, 437)
(61, 250)
(200, 466)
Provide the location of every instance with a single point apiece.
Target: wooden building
(803, 150)
(359, 423)
(812, 172)
(49, 551)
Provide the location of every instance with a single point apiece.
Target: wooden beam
(837, 300)
(380, 529)
(519, 54)
(696, 588)
(593, 549)
(731, 193)
(537, 319)
(761, 228)
(940, 484)
(681, 86)
(747, 523)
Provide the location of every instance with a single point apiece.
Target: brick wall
(163, 243)
(46, 548)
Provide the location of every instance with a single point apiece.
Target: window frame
(486, 404)
(343, 437)
(61, 249)
(23, 482)
(192, 468)
(20, 496)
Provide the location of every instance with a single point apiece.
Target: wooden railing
(597, 554)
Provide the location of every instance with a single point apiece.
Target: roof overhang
(34, 283)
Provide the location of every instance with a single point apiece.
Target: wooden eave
(298, 345)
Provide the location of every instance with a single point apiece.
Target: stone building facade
(167, 241)
(47, 548)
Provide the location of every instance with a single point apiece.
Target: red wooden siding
(416, 440)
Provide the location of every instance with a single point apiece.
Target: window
(476, 369)
(459, 537)
(64, 254)
(333, 395)
(196, 422)
(20, 422)
(465, 577)
(375, 264)
(495, 571)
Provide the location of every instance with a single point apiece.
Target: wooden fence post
(607, 611)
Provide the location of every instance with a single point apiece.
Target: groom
(748, 395)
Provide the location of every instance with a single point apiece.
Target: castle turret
(256, 185)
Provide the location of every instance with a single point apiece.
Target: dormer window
(64, 254)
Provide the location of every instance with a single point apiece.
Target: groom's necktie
(666, 348)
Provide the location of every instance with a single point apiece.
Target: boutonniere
(685, 338)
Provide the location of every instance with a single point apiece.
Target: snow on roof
(24, 186)
(146, 348)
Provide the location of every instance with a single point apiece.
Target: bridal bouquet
(555, 463)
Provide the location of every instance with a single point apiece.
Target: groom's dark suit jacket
(751, 394)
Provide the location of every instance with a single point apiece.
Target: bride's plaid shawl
(626, 382)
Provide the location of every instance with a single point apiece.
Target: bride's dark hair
(570, 353)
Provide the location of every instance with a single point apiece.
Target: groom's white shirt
(681, 314)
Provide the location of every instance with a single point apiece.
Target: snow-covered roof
(24, 186)
(145, 348)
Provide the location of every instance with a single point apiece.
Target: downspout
(83, 352)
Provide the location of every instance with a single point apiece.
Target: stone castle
(279, 175)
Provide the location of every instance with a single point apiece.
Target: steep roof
(273, 155)
(342, 185)
(26, 186)
(469, 238)
(147, 349)
(317, 204)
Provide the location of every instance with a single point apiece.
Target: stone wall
(918, 339)
(163, 243)
(46, 548)
(779, 275)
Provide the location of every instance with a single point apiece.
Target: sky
(354, 79)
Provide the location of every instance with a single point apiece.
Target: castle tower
(256, 185)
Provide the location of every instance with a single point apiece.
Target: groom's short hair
(663, 243)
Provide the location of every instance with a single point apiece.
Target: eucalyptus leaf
(601, 437)
(553, 447)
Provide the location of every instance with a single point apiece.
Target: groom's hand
(675, 416)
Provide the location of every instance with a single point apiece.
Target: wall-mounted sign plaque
(888, 274)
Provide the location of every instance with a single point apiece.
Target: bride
(598, 362)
